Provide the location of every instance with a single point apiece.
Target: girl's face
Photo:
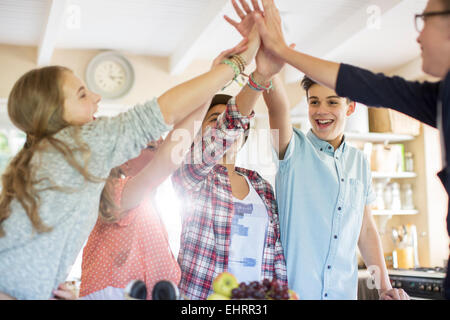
(80, 103)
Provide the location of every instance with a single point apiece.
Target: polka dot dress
(133, 248)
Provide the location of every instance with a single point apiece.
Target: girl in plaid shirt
(230, 217)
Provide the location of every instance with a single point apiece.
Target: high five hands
(268, 64)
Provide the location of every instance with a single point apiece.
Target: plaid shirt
(208, 209)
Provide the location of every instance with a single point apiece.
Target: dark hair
(223, 99)
(219, 99)
(307, 83)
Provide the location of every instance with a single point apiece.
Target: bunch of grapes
(265, 289)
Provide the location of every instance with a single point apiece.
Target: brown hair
(35, 106)
(109, 212)
(223, 99)
(307, 83)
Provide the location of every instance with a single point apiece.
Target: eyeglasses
(420, 18)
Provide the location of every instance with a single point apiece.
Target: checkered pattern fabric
(208, 209)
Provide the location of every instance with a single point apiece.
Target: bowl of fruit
(227, 287)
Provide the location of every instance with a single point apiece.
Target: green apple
(224, 283)
(217, 296)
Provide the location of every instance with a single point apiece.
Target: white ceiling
(341, 30)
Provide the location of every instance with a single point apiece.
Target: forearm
(322, 71)
(209, 147)
(178, 102)
(166, 160)
(371, 251)
(277, 103)
(247, 97)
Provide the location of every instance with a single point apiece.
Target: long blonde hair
(35, 106)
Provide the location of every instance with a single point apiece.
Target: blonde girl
(50, 196)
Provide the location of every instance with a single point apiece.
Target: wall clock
(110, 75)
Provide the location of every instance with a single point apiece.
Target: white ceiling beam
(52, 28)
(323, 46)
(187, 50)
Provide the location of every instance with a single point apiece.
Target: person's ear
(351, 108)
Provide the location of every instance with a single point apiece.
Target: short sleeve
(293, 148)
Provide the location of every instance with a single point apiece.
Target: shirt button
(335, 236)
(213, 154)
(329, 267)
(339, 208)
(342, 179)
(325, 295)
(329, 148)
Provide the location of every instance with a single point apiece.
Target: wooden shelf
(378, 137)
(394, 175)
(394, 212)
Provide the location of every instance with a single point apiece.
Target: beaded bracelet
(240, 61)
(240, 58)
(256, 86)
(237, 63)
(234, 66)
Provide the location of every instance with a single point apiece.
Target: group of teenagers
(80, 181)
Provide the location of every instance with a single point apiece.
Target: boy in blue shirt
(324, 191)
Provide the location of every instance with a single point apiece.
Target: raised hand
(269, 28)
(241, 47)
(267, 64)
(244, 27)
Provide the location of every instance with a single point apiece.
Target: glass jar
(387, 196)
(409, 162)
(396, 200)
(379, 201)
(407, 197)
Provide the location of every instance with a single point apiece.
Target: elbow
(169, 119)
(166, 111)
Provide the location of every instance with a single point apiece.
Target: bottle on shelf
(409, 162)
(396, 203)
(407, 197)
(379, 201)
(387, 197)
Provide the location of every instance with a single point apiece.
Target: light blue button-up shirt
(321, 194)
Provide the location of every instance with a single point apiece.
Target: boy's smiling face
(328, 113)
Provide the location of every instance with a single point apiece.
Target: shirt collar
(324, 146)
